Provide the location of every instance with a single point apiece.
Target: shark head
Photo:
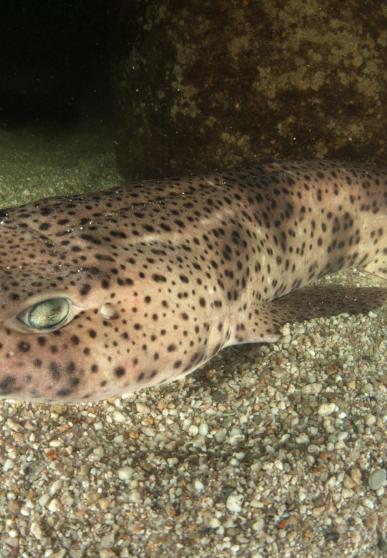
(81, 319)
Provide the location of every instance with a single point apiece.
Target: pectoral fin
(307, 303)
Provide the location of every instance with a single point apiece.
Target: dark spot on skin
(158, 278)
(44, 226)
(23, 346)
(85, 289)
(119, 371)
(70, 367)
(7, 384)
(64, 392)
(54, 370)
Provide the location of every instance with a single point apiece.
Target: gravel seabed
(268, 451)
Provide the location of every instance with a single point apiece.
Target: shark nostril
(109, 311)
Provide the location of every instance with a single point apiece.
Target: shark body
(105, 294)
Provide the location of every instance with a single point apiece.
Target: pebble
(259, 524)
(377, 479)
(119, 417)
(214, 523)
(203, 429)
(220, 435)
(327, 409)
(107, 553)
(313, 389)
(54, 505)
(124, 473)
(8, 465)
(370, 420)
(302, 439)
(193, 430)
(234, 503)
(198, 485)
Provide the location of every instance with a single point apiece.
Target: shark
(105, 294)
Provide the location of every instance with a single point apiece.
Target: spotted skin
(163, 274)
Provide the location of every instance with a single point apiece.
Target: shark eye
(46, 314)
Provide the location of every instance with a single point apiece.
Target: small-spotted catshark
(104, 294)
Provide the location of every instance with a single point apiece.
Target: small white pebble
(54, 505)
(214, 523)
(55, 443)
(193, 430)
(198, 485)
(203, 429)
(107, 553)
(286, 329)
(8, 465)
(99, 452)
(118, 417)
(56, 485)
(259, 525)
(44, 498)
(369, 503)
(370, 420)
(313, 389)
(240, 455)
(124, 473)
(141, 408)
(302, 439)
(377, 479)
(234, 503)
(220, 435)
(327, 409)
(235, 436)
(36, 530)
(13, 425)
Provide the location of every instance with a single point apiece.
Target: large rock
(206, 84)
